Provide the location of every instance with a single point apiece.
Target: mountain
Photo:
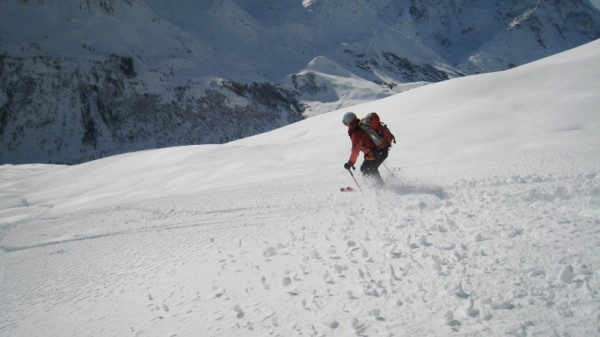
(83, 80)
(488, 227)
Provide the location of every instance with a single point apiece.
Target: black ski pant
(370, 168)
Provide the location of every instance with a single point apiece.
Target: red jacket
(360, 142)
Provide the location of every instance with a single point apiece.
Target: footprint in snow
(453, 323)
(457, 290)
(315, 254)
(263, 281)
(219, 293)
(566, 274)
(269, 252)
(503, 305)
(351, 295)
(239, 313)
(423, 241)
(471, 310)
(358, 327)
(294, 292)
(377, 314)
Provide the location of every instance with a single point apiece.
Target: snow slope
(489, 227)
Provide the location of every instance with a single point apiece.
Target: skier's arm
(356, 146)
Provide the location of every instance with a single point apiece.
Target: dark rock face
(66, 114)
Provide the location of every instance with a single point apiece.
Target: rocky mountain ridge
(86, 79)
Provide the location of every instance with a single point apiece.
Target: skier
(361, 142)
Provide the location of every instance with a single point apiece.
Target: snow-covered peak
(85, 80)
(324, 65)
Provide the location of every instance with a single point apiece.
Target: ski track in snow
(469, 257)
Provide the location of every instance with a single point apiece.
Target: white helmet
(349, 117)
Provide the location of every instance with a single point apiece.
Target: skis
(381, 185)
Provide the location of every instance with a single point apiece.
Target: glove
(348, 165)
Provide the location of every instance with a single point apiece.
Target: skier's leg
(377, 178)
(381, 156)
(369, 169)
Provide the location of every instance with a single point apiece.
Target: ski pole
(352, 174)
(390, 171)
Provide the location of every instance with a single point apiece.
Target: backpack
(379, 133)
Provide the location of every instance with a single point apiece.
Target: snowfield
(490, 225)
